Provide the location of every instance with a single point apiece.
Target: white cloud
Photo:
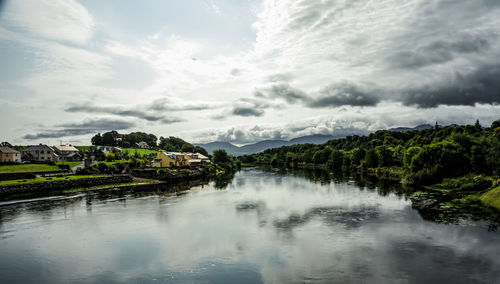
(65, 20)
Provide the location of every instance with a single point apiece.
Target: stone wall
(49, 186)
(12, 176)
(168, 176)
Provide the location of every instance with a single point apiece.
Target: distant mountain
(264, 145)
(418, 127)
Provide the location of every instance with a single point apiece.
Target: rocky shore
(39, 187)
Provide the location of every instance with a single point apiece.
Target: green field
(27, 168)
(45, 179)
(492, 198)
(131, 151)
(142, 152)
(83, 148)
(114, 162)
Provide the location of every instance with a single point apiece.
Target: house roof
(202, 157)
(8, 150)
(37, 147)
(65, 148)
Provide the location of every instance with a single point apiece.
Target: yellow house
(169, 159)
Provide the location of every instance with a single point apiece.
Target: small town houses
(44, 153)
(177, 159)
(9, 155)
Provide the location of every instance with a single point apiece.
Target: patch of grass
(469, 183)
(83, 148)
(114, 162)
(142, 152)
(46, 179)
(492, 198)
(28, 168)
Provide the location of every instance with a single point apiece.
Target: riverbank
(45, 186)
(450, 201)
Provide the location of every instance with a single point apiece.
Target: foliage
(426, 156)
(113, 138)
(222, 159)
(492, 198)
(27, 168)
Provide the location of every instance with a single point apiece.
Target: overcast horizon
(244, 71)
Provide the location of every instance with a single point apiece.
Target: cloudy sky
(244, 70)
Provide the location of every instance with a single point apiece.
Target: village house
(67, 153)
(142, 145)
(9, 155)
(171, 159)
(107, 149)
(41, 153)
(196, 159)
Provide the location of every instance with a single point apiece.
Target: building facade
(67, 153)
(9, 155)
(40, 153)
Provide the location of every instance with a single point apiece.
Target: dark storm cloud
(151, 112)
(343, 94)
(282, 91)
(244, 111)
(333, 95)
(481, 86)
(88, 126)
(438, 52)
(116, 111)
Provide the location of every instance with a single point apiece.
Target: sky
(243, 71)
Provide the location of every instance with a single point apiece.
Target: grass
(142, 152)
(46, 179)
(28, 168)
(114, 162)
(492, 198)
(83, 148)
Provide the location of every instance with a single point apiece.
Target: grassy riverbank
(47, 179)
(28, 168)
(491, 198)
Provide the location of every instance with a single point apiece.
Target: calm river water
(264, 227)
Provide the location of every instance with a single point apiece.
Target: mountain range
(264, 145)
(268, 144)
(418, 127)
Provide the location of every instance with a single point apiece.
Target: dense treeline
(113, 138)
(173, 144)
(425, 156)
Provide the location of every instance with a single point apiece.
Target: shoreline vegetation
(99, 178)
(452, 169)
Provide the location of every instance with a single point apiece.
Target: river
(262, 227)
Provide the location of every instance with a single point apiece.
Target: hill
(264, 145)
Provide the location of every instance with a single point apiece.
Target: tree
(336, 159)
(358, 155)
(220, 156)
(384, 156)
(371, 158)
(478, 125)
(186, 147)
(409, 154)
(96, 140)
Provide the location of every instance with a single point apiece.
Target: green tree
(409, 154)
(371, 158)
